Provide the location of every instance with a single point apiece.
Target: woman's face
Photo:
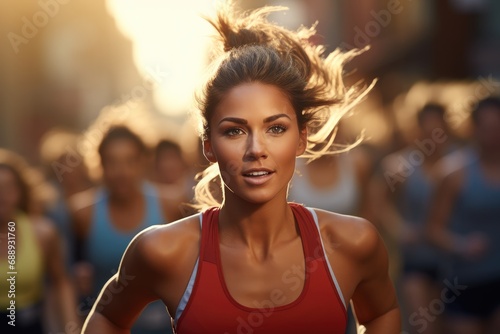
(255, 138)
(10, 192)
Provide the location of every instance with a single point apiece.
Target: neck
(125, 200)
(258, 226)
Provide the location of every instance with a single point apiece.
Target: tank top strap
(309, 233)
(305, 221)
(209, 237)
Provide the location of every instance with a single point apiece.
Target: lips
(257, 176)
(256, 172)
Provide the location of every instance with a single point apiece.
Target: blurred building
(61, 61)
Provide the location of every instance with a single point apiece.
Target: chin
(256, 196)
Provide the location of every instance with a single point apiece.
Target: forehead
(254, 100)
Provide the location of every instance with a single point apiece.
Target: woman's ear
(301, 148)
(207, 151)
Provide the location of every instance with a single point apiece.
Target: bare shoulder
(161, 259)
(354, 236)
(172, 243)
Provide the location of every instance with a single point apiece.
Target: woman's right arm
(126, 294)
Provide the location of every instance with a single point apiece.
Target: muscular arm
(374, 299)
(358, 256)
(126, 294)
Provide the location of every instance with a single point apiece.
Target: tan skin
(474, 245)
(254, 127)
(50, 245)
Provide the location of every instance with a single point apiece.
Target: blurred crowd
(436, 201)
(426, 173)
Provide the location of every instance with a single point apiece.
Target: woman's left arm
(374, 300)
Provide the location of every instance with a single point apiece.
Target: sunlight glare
(170, 41)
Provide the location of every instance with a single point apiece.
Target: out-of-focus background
(70, 68)
(62, 62)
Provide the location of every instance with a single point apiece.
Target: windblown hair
(251, 49)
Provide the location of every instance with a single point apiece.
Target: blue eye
(277, 129)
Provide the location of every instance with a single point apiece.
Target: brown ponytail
(249, 48)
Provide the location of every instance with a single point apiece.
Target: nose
(256, 148)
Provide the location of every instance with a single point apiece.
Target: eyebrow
(244, 121)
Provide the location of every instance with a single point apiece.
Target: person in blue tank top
(106, 219)
(465, 221)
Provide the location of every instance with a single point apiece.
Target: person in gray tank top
(409, 179)
(465, 221)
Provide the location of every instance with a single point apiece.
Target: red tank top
(211, 309)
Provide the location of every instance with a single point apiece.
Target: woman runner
(253, 262)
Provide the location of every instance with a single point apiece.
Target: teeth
(257, 173)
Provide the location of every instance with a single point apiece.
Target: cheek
(285, 153)
(229, 157)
